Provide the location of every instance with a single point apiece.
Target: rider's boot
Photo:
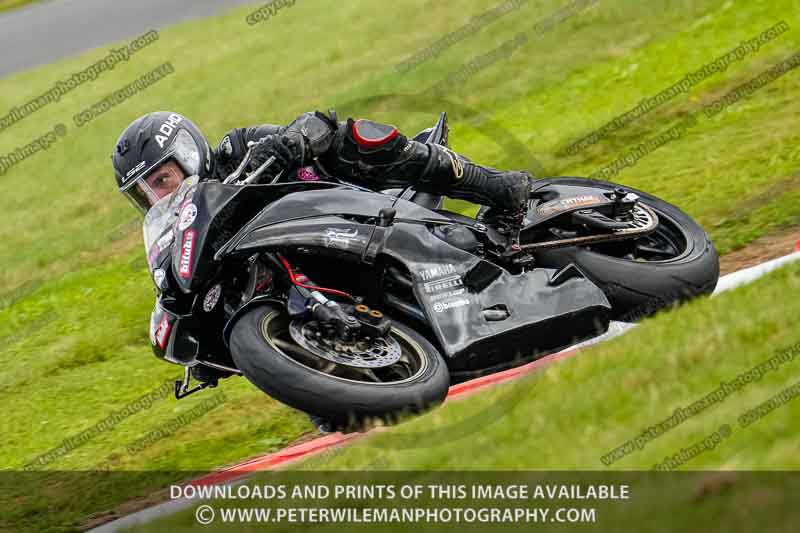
(506, 192)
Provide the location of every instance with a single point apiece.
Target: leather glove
(282, 148)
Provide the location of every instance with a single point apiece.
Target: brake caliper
(347, 322)
(345, 334)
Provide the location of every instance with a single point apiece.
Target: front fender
(255, 302)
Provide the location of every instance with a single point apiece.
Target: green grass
(569, 415)
(74, 322)
(576, 411)
(6, 5)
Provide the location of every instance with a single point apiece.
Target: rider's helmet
(151, 141)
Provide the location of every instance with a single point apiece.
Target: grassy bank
(7, 5)
(572, 414)
(76, 300)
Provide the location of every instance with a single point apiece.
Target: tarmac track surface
(44, 32)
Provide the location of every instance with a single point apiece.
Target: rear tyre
(675, 263)
(265, 352)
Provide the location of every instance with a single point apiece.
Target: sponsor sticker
(340, 238)
(448, 294)
(441, 307)
(165, 241)
(566, 204)
(212, 297)
(162, 333)
(187, 254)
(187, 216)
(450, 282)
(161, 244)
(167, 128)
(158, 277)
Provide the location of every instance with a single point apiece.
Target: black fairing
(341, 202)
(221, 210)
(334, 219)
(453, 286)
(172, 335)
(180, 328)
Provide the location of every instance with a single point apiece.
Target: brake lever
(253, 178)
(236, 174)
(278, 176)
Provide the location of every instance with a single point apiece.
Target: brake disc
(376, 353)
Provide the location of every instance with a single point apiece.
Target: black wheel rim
(667, 242)
(413, 361)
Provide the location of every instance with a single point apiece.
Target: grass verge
(75, 300)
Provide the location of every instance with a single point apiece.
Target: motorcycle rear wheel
(675, 263)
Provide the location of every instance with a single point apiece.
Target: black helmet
(152, 140)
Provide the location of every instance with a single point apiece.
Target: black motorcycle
(352, 304)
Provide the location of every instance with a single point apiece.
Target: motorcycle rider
(158, 150)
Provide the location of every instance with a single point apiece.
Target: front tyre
(264, 350)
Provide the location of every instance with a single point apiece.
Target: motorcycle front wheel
(346, 396)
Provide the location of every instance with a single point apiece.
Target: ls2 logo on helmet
(167, 129)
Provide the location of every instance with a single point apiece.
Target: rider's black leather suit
(386, 159)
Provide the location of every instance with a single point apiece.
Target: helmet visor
(141, 196)
(184, 151)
